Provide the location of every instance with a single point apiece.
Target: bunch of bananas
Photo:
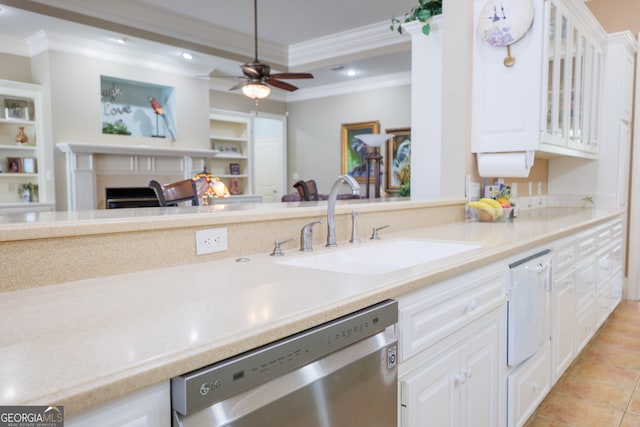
(489, 210)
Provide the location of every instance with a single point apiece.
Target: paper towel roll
(505, 165)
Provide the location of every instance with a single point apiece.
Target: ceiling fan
(257, 75)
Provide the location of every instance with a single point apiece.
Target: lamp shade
(374, 139)
(256, 90)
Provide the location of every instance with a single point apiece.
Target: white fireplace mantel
(90, 168)
(146, 150)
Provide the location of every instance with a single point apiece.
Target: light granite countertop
(83, 343)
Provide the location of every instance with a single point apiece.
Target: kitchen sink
(383, 257)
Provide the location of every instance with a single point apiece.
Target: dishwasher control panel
(207, 386)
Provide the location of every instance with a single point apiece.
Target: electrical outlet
(212, 240)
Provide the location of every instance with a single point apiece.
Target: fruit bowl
(489, 211)
(483, 215)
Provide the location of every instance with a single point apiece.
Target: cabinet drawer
(617, 228)
(428, 315)
(527, 386)
(564, 255)
(586, 244)
(604, 235)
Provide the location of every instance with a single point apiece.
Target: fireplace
(130, 197)
(92, 168)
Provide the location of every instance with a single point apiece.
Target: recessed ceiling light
(187, 55)
(121, 40)
(351, 73)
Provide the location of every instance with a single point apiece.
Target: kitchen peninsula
(113, 302)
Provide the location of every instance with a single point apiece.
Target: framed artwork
(354, 150)
(16, 109)
(14, 165)
(29, 165)
(234, 168)
(398, 162)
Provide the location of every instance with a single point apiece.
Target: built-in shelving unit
(24, 163)
(231, 136)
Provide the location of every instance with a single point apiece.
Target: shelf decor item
(16, 109)
(234, 168)
(21, 137)
(14, 165)
(28, 192)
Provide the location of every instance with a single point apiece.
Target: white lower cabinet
(150, 407)
(453, 352)
(452, 336)
(461, 384)
(527, 386)
(563, 326)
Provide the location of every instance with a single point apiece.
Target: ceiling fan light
(256, 90)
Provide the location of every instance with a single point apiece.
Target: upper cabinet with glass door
(571, 76)
(548, 99)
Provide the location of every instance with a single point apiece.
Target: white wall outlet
(211, 240)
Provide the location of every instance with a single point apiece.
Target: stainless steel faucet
(331, 208)
(306, 236)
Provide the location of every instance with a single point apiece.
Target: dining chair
(176, 192)
(308, 190)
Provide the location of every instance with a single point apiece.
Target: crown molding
(45, 41)
(353, 86)
(368, 38)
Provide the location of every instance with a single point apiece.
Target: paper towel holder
(519, 167)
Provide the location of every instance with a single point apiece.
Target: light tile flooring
(601, 388)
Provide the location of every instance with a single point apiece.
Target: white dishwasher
(529, 307)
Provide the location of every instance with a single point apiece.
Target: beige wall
(314, 148)
(617, 15)
(14, 67)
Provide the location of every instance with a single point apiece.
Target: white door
(270, 154)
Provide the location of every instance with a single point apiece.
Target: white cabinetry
(527, 386)
(459, 386)
(585, 290)
(564, 276)
(21, 106)
(231, 135)
(453, 352)
(607, 180)
(561, 58)
(150, 407)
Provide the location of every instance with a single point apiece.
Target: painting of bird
(157, 108)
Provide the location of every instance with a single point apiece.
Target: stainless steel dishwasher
(341, 373)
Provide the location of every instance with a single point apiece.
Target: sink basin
(383, 257)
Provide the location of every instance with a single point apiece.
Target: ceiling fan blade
(237, 86)
(279, 84)
(287, 76)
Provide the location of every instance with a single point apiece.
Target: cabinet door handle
(471, 305)
(461, 378)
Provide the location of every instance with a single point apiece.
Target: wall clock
(504, 22)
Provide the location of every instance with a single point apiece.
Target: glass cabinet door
(564, 72)
(559, 73)
(547, 134)
(593, 123)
